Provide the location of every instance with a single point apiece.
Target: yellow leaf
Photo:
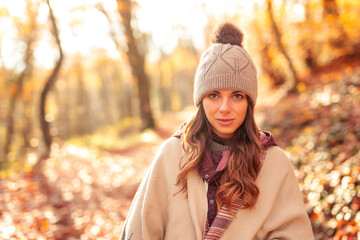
(44, 225)
(301, 87)
(308, 130)
(295, 149)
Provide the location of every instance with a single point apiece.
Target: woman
(219, 177)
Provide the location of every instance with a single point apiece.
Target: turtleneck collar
(219, 144)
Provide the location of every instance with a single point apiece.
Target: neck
(219, 144)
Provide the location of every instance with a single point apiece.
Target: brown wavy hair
(238, 179)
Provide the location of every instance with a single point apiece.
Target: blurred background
(90, 88)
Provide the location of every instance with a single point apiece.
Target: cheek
(207, 114)
(208, 108)
(243, 110)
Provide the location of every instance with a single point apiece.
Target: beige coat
(157, 214)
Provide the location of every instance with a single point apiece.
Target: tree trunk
(10, 123)
(164, 84)
(330, 8)
(124, 88)
(137, 64)
(331, 17)
(276, 78)
(293, 83)
(18, 86)
(28, 126)
(308, 43)
(82, 105)
(45, 126)
(127, 101)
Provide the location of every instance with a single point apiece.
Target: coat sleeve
(287, 218)
(147, 214)
(132, 227)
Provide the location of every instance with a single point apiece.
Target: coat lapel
(196, 189)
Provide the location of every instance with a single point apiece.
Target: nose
(224, 107)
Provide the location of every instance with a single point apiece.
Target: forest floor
(84, 193)
(88, 192)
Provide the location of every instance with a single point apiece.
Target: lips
(225, 121)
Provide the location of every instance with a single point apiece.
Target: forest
(90, 89)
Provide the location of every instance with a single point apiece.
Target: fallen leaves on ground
(320, 129)
(90, 195)
(81, 194)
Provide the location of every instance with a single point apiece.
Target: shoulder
(171, 144)
(165, 165)
(276, 160)
(169, 152)
(276, 170)
(276, 152)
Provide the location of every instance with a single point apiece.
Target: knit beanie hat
(226, 65)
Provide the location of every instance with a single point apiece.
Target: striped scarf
(223, 217)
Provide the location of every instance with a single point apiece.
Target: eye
(238, 96)
(212, 95)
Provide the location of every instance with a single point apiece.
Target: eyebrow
(232, 92)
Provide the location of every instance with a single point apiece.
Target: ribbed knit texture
(225, 66)
(218, 146)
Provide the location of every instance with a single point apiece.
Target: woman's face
(225, 110)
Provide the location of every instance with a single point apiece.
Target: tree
(266, 59)
(45, 126)
(29, 33)
(125, 98)
(311, 56)
(137, 64)
(331, 17)
(295, 79)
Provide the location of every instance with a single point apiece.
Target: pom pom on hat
(226, 65)
(228, 33)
